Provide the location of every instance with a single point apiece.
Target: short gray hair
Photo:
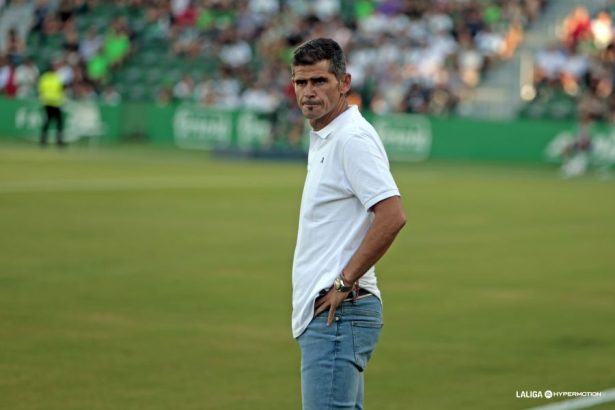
(320, 49)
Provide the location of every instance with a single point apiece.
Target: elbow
(401, 221)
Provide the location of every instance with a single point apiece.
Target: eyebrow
(319, 78)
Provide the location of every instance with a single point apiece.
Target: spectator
(187, 41)
(248, 24)
(4, 72)
(51, 26)
(576, 154)
(264, 8)
(82, 91)
(64, 70)
(574, 70)
(184, 89)
(235, 52)
(416, 100)
(98, 69)
(158, 25)
(602, 30)
(491, 44)
(577, 26)
(228, 89)
(165, 96)
(443, 101)
(8, 79)
(71, 38)
(41, 11)
(187, 17)
(15, 47)
(90, 45)
(549, 65)
(110, 96)
(469, 61)
(260, 97)
(473, 21)
(65, 11)
(116, 44)
(178, 7)
(26, 77)
(205, 93)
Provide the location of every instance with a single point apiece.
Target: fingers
(325, 302)
(320, 306)
(331, 315)
(319, 310)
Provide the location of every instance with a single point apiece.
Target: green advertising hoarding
(416, 137)
(406, 137)
(190, 126)
(82, 119)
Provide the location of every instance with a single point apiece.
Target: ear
(345, 83)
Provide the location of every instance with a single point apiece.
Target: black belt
(362, 292)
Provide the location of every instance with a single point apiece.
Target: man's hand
(331, 300)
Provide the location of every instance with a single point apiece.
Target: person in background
(8, 79)
(4, 73)
(110, 96)
(576, 155)
(26, 77)
(51, 96)
(15, 47)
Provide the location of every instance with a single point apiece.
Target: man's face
(319, 93)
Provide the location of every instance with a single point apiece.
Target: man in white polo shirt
(350, 214)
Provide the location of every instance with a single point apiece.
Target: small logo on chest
(322, 160)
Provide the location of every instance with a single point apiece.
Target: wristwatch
(340, 286)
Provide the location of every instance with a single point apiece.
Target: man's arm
(389, 219)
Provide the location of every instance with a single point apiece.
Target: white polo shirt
(348, 173)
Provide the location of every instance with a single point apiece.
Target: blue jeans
(334, 357)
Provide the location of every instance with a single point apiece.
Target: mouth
(310, 104)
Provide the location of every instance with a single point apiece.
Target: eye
(300, 83)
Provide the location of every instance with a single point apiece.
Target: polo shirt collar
(338, 122)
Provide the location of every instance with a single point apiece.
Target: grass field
(141, 278)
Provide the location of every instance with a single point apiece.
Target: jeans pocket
(364, 338)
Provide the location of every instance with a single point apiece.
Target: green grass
(140, 278)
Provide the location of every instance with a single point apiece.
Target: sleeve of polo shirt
(367, 170)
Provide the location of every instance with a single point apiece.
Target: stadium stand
(575, 75)
(405, 56)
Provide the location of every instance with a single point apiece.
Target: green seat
(149, 58)
(137, 92)
(153, 75)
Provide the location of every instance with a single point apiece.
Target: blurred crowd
(419, 56)
(84, 60)
(581, 64)
(404, 56)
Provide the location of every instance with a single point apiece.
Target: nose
(310, 90)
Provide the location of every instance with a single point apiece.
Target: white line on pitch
(580, 403)
(131, 183)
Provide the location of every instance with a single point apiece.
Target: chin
(311, 115)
